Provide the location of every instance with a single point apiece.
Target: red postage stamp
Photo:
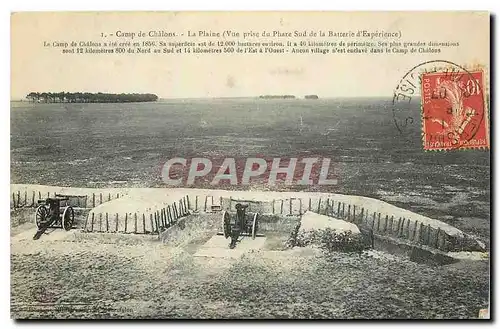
(454, 111)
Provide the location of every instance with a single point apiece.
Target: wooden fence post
(290, 206)
(196, 203)
(176, 214)
(319, 205)
(33, 199)
(338, 209)
(417, 230)
(281, 211)
(206, 200)
(300, 207)
(273, 206)
(19, 198)
(414, 230)
(135, 222)
(100, 222)
(429, 233)
(93, 200)
(92, 223)
(157, 227)
(152, 225)
(107, 222)
(116, 222)
(85, 225)
(126, 222)
(327, 205)
(143, 223)
(436, 239)
(378, 223)
(188, 203)
(309, 204)
(109, 196)
(181, 211)
(373, 222)
(100, 198)
(14, 200)
(362, 215)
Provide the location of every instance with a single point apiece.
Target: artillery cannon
(239, 224)
(50, 213)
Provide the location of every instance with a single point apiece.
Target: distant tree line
(66, 97)
(277, 96)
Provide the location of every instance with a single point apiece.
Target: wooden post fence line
(164, 218)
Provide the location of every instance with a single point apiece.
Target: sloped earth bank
(132, 278)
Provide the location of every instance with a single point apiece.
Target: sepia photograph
(250, 165)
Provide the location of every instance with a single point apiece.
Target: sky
(38, 68)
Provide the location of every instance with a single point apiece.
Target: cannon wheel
(255, 225)
(226, 224)
(68, 218)
(41, 216)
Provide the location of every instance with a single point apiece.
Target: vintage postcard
(250, 165)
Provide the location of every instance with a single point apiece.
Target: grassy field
(92, 279)
(103, 145)
(96, 145)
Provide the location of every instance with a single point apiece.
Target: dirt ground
(73, 275)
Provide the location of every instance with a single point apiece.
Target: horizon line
(247, 97)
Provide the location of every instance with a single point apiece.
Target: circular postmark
(451, 108)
